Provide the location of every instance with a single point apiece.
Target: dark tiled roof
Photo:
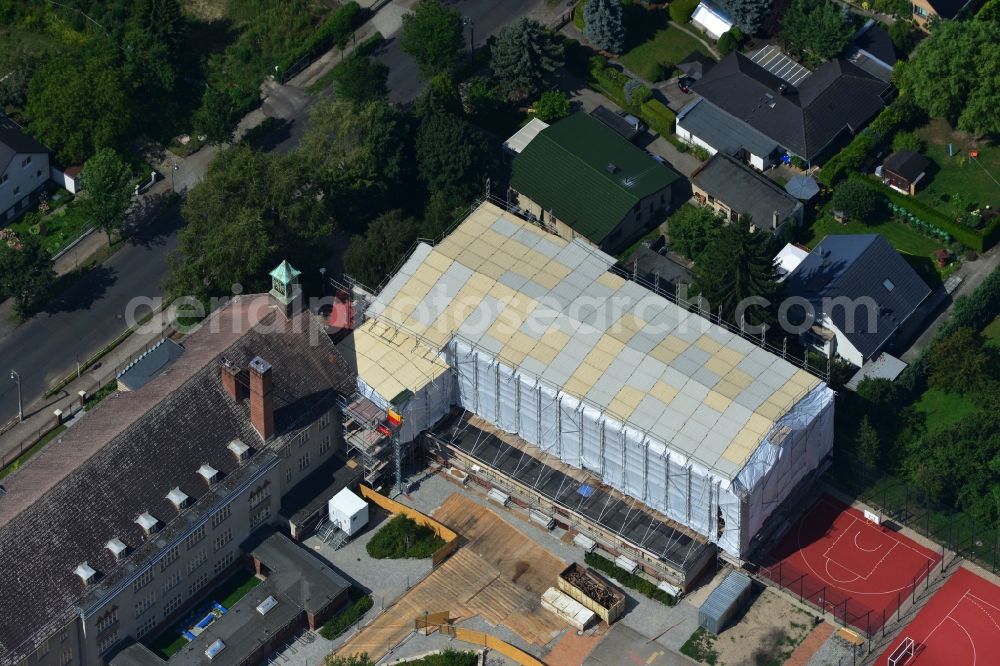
(838, 96)
(855, 267)
(649, 264)
(142, 444)
(907, 164)
(872, 51)
(745, 191)
(14, 141)
(296, 572)
(564, 170)
(695, 65)
(722, 131)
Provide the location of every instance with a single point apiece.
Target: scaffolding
(368, 436)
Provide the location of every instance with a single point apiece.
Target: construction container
(348, 512)
(541, 518)
(593, 591)
(627, 564)
(585, 542)
(499, 496)
(570, 610)
(724, 602)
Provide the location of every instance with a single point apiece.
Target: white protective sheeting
(428, 405)
(639, 465)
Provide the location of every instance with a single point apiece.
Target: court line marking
(967, 636)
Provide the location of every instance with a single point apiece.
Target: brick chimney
(261, 398)
(230, 375)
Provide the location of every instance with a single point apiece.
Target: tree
(908, 141)
(25, 273)
(107, 183)
(18, 64)
(442, 209)
(250, 211)
(76, 104)
(525, 53)
(901, 33)
(604, 25)
(216, 116)
(955, 74)
(879, 391)
(959, 363)
(866, 443)
(354, 660)
(440, 95)
(360, 156)
(551, 106)
(859, 201)
(738, 264)
(360, 80)
(748, 14)
(691, 229)
(817, 28)
(371, 257)
(730, 40)
(432, 36)
(452, 153)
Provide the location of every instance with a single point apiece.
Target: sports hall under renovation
(521, 358)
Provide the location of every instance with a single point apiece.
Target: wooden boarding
(850, 636)
(514, 554)
(466, 585)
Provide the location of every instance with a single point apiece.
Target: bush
(611, 82)
(908, 141)
(344, 620)
(681, 10)
(700, 153)
(730, 40)
(658, 117)
(636, 93)
(335, 31)
(578, 20)
(857, 200)
(370, 44)
(880, 130)
(637, 583)
(551, 106)
(403, 537)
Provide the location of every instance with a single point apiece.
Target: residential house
(862, 293)
(735, 191)
(580, 179)
(24, 170)
(122, 524)
(903, 171)
(926, 11)
(872, 50)
(746, 111)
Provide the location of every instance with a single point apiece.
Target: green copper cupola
(285, 288)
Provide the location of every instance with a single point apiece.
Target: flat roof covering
(550, 309)
(522, 137)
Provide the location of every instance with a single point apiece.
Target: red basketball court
(959, 626)
(848, 565)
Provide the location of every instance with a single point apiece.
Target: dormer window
(117, 548)
(178, 498)
(209, 473)
(147, 523)
(86, 573)
(239, 449)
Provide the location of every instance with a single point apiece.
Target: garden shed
(724, 602)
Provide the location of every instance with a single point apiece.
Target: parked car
(633, 121)
(684, 83)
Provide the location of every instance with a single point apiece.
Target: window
(259, 517)
(38, 173)
(888, 284)
(145, 604)
(142, 581)
(221, 565)
(222, 515)
(198, 583)
(171, 605)
(107, 621)
(26, 161)
(261, 495)
(66, 657)
(145, 627)
(223, 539)
(303, 438)
(192, 539)
(197, 561)
(64, 636)
(42, 650)
(920, 11)
(304, 461)
(3, 179)
(17, 190)
(288, 475)
(172, 581)
(324, 445)
(169, 558)
(108, 643)
(324, 420)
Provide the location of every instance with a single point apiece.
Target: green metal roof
(565, 170)
(284, 273)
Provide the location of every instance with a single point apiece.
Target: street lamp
(14, 377)
(322, 280)
(472, 33)
(174, 169)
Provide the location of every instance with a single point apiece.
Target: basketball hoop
(902, 653)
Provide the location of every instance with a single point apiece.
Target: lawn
(655, 45)
(959, 181)
(403, 537)
(61, 227)
(700, 646)
(943, 409)
(235, 588)
(168, 643)
(447, 658)
(992, 333)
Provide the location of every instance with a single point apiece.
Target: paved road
(84, 318)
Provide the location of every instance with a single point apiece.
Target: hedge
(681, 10)
(861, 146)
(637, 583)
(924, 213)
(658, 116)
(335, 31)
(369, 44)
(346, 618)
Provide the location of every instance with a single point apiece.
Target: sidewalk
(39, 417)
